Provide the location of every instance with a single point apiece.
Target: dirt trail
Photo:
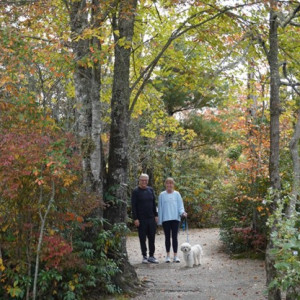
(218, 278)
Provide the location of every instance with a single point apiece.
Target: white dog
(192, 254)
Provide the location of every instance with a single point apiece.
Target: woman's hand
(184, 215)
(136, 223)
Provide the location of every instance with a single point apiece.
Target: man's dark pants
(147, 229)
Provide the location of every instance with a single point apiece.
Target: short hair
(144, 175)
(170, 179)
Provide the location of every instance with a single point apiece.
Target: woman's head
(169, 184)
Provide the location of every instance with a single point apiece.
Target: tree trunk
(274, 103)
(251, 120)
(291, 208)
(169, 152)
(43, 219)
(87, 81)
(116, 213)
(274, 293)
(294, 149)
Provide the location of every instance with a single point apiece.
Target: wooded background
(92, 93)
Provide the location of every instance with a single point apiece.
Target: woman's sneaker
(168, 259)
(152, 260)
(145, 260)
(176, 259)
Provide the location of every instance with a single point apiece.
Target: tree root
(128, 280)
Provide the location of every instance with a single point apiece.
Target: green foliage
(243, 215)
(234, 152)
(209, 131)
(95, 270)
(286, 241)
(86, 269)
(19, 281)
(35, 153)
(197, 179)
(242, 221)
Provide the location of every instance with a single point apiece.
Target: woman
(170, 210)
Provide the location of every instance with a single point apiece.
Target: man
(145, 217)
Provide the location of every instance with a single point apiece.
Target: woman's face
(170, 186)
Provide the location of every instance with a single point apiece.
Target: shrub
(67, 272)
(242, 223)
(286, 240)
(44, 213)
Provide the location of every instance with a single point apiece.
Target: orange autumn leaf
(79, 219)
(259, 208)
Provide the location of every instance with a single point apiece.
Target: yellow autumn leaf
(2, 268)
(148, 134)
(69, 179)
(71, 286)
(51, 232)
(4, 228)
(104, 137)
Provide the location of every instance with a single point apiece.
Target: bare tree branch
(157, 11)
(295, 24)
(5, 2)
(291, 16)
(145, 42)
(221, 67)
(235, 16)
(290, 82)
(263, 44)
(36, 38)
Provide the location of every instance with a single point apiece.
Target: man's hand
(156, 220)
(184, 215)
(136, 223)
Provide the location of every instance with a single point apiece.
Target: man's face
(143, 182)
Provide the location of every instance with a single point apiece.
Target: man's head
(143, 181)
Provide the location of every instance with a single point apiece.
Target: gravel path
(218, 278)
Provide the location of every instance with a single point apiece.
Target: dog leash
(186, 228)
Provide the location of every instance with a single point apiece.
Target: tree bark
(87, 79)
(294, 149)
(251, 119)
(116, 213)
(43, 219)
(291, 208)
(274, 102)
(274, 293)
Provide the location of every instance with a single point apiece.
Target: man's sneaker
(176, 259)
(168, 259)
(152, 260)
(145, 260)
